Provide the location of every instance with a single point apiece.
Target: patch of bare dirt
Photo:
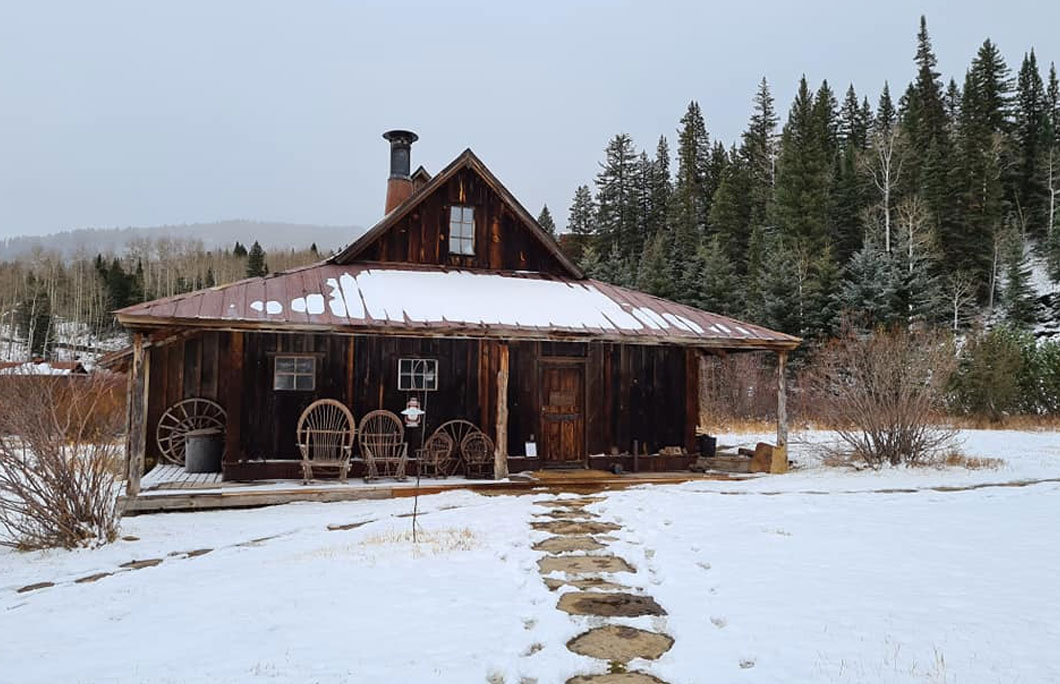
(583, 565)
(620, 644)
(567, 544)
(93, 578)
(608, 605)
(35, 587)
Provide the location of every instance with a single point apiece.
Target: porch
(168, 488)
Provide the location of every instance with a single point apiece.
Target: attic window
(462, 230)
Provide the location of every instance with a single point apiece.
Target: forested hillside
(927, 205)
(51, 304)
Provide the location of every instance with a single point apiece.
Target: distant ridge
(271, 234)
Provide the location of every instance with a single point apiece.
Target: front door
(562, 415)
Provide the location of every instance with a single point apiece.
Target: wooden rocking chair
(325, 438)
(477, 453)
(383, 447)
(436, 456)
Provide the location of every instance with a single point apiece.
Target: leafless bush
(881, 393)
(738, 388)
(60, 456)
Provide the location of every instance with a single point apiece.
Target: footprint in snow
(719, 622)
(529, 623)
(703, 564)
(649, 553)
(747, 663)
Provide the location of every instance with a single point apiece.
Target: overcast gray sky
(143, 113)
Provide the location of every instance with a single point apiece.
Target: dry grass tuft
(427, 541)
(955, 459)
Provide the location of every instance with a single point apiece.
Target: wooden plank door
(562, 415)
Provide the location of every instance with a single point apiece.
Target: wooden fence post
(782, 399)
(136, 414)
(500, 454)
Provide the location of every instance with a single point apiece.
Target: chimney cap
(400, 136)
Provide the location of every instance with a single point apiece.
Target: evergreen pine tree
(1017, 295)
(869, 292)
(1031, 132)
(256, 266)
(239, 250)
(33, 319)
(210, 280)
(544, 219)
(690, 202)
(730, 214)
(804, 169)
(758, 153)
(779, 306)
(719, 284)
(654, 276)
(582, 218)
(616, 202)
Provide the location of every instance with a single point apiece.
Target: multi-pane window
(416, 375)
(295, 373)
(462, 230)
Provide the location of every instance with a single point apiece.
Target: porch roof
(428, 300)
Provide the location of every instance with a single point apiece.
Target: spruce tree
(1031, 132)
(239, 250)
(690, 202)
(544, 219)
(758, 153)
(1017, 294)
(616, 202)
(654, 276)
(731, 212)
(582, 218)
(869, 293)
(256, 266)
(719, 283)
(804, 169)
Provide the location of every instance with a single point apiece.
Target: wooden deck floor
(169, 488)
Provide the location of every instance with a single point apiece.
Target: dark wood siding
(502, 240)
(631, 393)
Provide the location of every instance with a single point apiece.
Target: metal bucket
(202, 451)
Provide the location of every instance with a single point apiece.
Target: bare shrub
(60, 458)
(737, 389)
(881, 393)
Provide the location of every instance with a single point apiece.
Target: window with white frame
(417, 375)
(462, 230)
(295, 373)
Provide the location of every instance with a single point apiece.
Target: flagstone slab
(575, 527)
(582, 565)
(608, 605)
(567, 544)
(620, 644)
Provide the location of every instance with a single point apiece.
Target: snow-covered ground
(816, 576)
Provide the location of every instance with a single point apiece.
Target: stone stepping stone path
(575, 527)
(624, 678)
(568, 544)
(574, 550)
(583, 565)
(621, 644)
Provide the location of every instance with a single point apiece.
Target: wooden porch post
(782, 400)
(136, 414)
(500, 454)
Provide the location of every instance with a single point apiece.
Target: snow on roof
(457, 301)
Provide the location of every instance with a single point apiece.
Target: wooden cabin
(459, 298)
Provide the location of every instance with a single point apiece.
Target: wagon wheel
(457, 430)
(180, 419)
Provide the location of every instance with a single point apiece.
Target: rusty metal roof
(432, 300)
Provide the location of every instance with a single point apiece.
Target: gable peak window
(462, 230)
